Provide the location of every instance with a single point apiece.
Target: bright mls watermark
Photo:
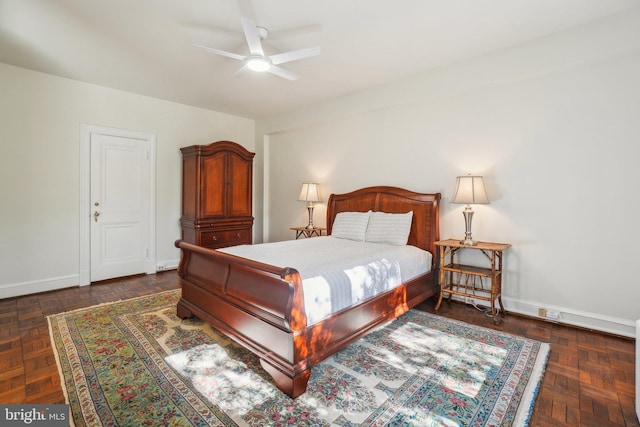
(34, 415)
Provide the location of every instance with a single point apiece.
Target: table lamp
(310, 192)
(469, 190)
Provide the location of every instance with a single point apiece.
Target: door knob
(96, 214)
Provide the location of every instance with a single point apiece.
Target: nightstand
(467, 280)
(308, 232)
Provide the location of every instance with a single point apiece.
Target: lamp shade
(470, 190)
(310, 192)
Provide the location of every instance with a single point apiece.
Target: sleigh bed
(262, 306)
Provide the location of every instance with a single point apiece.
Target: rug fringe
(63, 383)
(530, 393)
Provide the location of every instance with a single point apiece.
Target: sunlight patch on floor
(470, 362)
(220, 378)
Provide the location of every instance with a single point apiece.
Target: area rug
(134, 363)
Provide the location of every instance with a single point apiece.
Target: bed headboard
(425, 226)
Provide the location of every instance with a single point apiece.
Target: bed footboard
(258, 305)
(227, 283)
(262, 308)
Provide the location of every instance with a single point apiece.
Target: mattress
(338, 273)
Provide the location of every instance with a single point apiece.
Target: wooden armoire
(217, 182)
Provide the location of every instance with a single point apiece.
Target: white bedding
(338, 273)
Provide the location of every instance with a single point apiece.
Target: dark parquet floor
(589, 380)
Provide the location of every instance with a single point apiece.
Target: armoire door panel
(212, 198)
(240, 192)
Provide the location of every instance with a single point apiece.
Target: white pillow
(350, 225)
(389, 228)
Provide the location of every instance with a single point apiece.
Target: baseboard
(51, 284)
(171, 264)
(569, 316)
(54, 283)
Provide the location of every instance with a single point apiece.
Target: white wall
(552, 124)
(40, 118)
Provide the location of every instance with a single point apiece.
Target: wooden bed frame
(262, 307)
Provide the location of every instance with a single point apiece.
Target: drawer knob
(238, 235)
(214, 238)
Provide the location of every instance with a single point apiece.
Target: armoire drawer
(222, 238)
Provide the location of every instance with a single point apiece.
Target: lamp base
(310, 209)
(468, 216)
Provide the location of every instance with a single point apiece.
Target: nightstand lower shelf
(469, 281)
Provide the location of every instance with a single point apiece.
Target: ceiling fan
(257, 60)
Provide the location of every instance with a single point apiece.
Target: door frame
(86, 130)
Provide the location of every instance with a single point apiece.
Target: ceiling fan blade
(281, 72)
(253, 38)
(220, 52)
(294, 55)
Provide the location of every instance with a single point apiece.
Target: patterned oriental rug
(134, 363)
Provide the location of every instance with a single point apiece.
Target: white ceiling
(145, 46)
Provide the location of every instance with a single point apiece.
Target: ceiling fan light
(258, 64)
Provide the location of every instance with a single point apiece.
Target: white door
(120, 193)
